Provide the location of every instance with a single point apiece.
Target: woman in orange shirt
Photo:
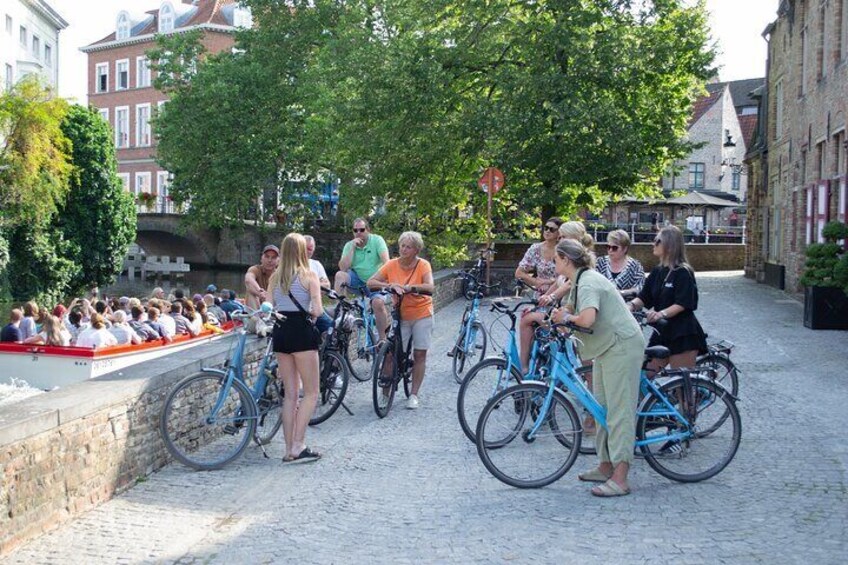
(407, 274)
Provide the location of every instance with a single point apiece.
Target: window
(122, 74)
(8, 24)
(163, 183)
(104, 113)
(48, 55)
(23, 37)
(802, 86)
(839, 31)
(10, 76)
(125, 181)
(142, 125)
(778, 110)
(122, 26)
(36, 46)
(142, 182)
(735, 178)
(102, 73)
(821, 160)
(696, 175)
(122, 126)
(142, 72)
(840, 154)
(242, 17)
(821, 66)
(166, 17)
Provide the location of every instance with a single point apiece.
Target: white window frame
(36, 47)
(122, 26)
(142, 134)
(104, 113)
(118, 64)
(10, 76)
(167, 17)
(142, 72)
(242, 17)
(9, 24)
(163, 184)
(23, 37)
(101, 69)
(143, 175)
(121, 135)
(125, 180)
(48, 54)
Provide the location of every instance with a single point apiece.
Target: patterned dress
(534, 262)
(632, 276)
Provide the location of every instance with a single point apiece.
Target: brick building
(798, 163)
(120, 81)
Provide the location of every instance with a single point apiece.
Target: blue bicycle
(209, 419)
(472, 339)
(529, 435)
(362, 342)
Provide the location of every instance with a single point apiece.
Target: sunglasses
(656, 242)
(550, 228)
(359, 230)
(613, 247)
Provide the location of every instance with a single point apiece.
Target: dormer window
(123, 26)
(166, 17)
(242, 17)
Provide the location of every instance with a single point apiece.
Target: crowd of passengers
(95, 323)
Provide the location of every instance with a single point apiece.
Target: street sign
(491, 181)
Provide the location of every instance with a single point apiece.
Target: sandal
(593, 476)
(610, 489)
(305, 456)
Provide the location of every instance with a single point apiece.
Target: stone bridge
(166, 234)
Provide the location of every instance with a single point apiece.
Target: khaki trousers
(616, 387)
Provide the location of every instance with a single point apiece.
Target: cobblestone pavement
(410, 488)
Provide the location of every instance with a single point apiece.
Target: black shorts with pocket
(295, 334)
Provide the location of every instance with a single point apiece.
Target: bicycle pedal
(451, 353)
(231, 429)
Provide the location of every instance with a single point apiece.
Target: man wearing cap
(256, 279)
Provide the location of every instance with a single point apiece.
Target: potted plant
(148, 200)
(825, 281)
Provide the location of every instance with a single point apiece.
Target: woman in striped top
(625, 272)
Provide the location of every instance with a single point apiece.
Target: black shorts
(682, 344)
(295, 334)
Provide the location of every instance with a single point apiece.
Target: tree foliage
(41, 265)
(98, 216)
(407, 101)
(34, 155)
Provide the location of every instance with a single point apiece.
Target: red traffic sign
(491, 181)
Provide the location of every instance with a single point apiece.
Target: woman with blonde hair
(671, 293)
(296, 292)
(27, 327)
(625, 272)
(53, 333)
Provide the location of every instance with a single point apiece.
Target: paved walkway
(410, 488)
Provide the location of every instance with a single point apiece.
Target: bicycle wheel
(360, 351)
(481, 383)
(384, 379)
(726, 373)
(196, 437)
(332, 386)
(677, 450)
(469, 348)
(506, 447)
(269, 408)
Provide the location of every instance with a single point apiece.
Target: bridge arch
(163, 234)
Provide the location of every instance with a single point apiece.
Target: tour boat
(48, 367)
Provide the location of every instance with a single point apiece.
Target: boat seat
(657, 352)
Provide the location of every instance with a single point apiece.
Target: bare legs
(294, 368)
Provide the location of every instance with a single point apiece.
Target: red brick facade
(800, 162)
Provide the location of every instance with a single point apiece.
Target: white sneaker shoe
(412, 402)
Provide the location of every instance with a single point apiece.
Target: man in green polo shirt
(361, 258)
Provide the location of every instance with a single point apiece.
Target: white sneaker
(412, 402)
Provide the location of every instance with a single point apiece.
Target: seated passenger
(144, 331)
(182, 324)
(74, 324)
(154, 324)
(11, 332)
(52, 333)
(122, 331)
(97, 335)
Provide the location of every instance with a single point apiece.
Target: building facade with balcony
(29, 41)
(799, 162)
(120, 83)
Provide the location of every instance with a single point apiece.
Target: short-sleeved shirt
(10, 333)
(414, 306)
(662, 289)
(316, 267)
(613, 319)
(534, 261)
(366, 259)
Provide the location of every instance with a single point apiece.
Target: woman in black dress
(671, 293)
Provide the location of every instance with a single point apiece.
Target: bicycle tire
(669, 458)
(726, 373)
(385, 354)
(189, 435)
(509, 412)
(481, 383)
(359, 354)
(269, 409)
(463, 358)
(332, 386)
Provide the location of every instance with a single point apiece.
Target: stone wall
(66, 451)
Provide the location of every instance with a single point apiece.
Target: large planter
(825, 308)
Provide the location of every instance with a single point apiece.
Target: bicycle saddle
(657, 352)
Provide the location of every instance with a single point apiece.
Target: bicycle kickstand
(262, 447)
(346, 408)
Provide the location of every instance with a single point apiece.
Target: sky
(736, 26)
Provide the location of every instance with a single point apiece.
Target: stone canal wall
(67, 451)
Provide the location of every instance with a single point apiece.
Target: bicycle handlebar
(573, 327)
(642, 317)
(498, 305)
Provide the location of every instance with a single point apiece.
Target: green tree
(41, 265)
(34, 155)
(98, 218)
